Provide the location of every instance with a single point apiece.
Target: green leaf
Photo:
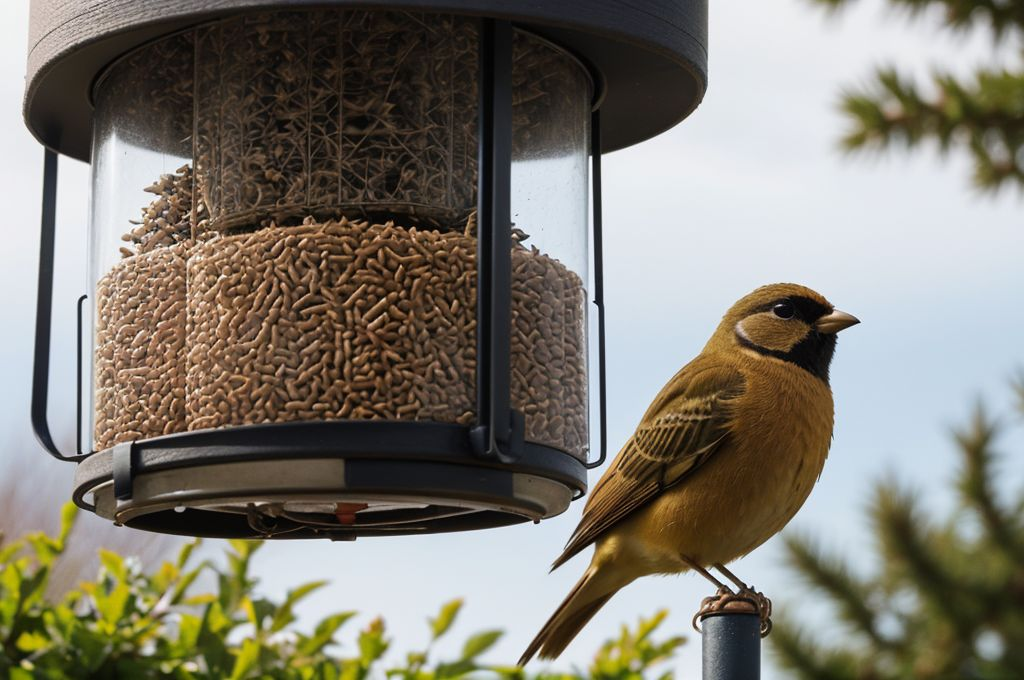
(112, 605)
(216, 621)
(244, 548)
(8, 552)
(480, 643)
(455, 670)
(10, 586)
(45, 548)
(31, 588)
(324, 633)
(445, 618)
(183, 584)
(32, 642)
(196, 600)
(186, 552)
(68, 515)
(372, 644)
(250, 613)
(165, 575)
(113, 563)
(188, 630)
(415, 659)
(91, 648)
(285, 614)
(647, 626)
(247, 659)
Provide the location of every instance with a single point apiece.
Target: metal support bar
(44, 310)
(595, 152)
(499, 432)
(123, 466)
(731, 646)
(78, 380)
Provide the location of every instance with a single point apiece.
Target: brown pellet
(272, 326)
(381, 361)
(127, 364)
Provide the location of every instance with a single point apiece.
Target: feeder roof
(650, 55)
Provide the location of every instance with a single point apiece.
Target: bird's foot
(745, 601)
(764, 607)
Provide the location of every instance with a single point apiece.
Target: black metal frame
(598, 226)
(499, 431)
(477, 464)
(380, 457)
(44, 312)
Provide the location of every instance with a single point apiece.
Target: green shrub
(132, 624)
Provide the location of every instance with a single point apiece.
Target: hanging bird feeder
(339, 252)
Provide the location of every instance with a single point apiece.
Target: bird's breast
(754, 484)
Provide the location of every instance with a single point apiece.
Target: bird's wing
(685, 425)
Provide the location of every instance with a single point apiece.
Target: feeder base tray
(332, 479)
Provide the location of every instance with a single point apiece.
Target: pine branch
(1000, 16)
(975, 484)
(986, 117)
(906, 548)
(804, 658)
(954, 599)
(1017, 385)
(849, 595)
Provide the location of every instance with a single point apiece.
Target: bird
(722, 459)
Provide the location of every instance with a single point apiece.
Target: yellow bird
(722, 460)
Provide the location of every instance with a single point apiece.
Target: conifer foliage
(982, 113)
(947, 597)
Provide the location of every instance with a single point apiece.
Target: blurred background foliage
(27, 500)
(130, 622)
(982, 113)
(947, 597)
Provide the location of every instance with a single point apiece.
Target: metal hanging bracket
(44, 313)
(595, 152)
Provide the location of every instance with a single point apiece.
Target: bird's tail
(578, 607)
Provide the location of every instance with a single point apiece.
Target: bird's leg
(705, 573)
(758, 599)
(711, 604)
(731, 576)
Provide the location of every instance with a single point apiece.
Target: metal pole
(731, 646)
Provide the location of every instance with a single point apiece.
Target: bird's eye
(784, 310)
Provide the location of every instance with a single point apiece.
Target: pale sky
(749, 190)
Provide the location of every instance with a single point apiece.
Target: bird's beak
(835, 322)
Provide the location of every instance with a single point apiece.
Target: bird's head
(788, 322)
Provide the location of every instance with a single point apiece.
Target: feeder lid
(650, 55)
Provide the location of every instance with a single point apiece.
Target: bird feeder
(339, 253)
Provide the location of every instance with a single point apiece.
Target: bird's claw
(746, 601)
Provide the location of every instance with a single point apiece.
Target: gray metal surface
(651, 54)
(239, 483)
(731, 647)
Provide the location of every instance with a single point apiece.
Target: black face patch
(813, 353)
(807, 310)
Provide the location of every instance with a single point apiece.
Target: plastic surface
(283, 228)
(651, 55)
